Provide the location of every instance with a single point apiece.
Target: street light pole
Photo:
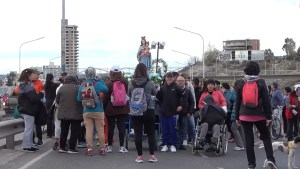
(203, 60)
(20, 50)
(191, 67)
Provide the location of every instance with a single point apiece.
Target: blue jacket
(230, 97)
(277, 99)
(100, 86)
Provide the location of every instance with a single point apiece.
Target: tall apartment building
(53, 69)
(246, 44)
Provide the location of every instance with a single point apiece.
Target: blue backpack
(138, 102)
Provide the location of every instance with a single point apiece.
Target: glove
(225, 108)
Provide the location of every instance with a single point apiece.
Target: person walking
(69, 113)
(93, 116)
(292, 115)
(145, 122)
(28, 103)
(259, 114)
(115, 111)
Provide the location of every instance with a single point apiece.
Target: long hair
(25, 75)
(140, 71)
(49, 78)
(115, 75)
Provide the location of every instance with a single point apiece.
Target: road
(46, 158)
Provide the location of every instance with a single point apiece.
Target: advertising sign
(225, 56)
(241, 55)
(257, 55)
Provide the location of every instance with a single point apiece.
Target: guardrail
(8, 130)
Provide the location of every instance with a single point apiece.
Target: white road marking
(36, 159)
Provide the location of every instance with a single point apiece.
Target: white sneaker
(164, 148)
(123, 150)
(109, 149)
(185, 143)
(239, 148)
(173, 149)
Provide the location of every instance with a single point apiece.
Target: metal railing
(8, 130)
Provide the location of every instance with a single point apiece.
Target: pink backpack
(118, 96)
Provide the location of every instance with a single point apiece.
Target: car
(9, 104)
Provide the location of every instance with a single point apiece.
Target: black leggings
(148, 121)
(111, 120)
(75, 132)
(292, 127)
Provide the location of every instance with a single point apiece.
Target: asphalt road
(182, 159)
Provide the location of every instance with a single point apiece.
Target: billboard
(225, 56)
(257, 55)
(241, 55)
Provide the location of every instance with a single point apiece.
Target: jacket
(277, 99)
(68, 107)
(264, 105)
(111, 110)
(28, 100)
(187, 102)
(169, 98)
(289, 100)
(150, 90)
(230, 99)
(218, 98)
(100, 86)
(50, 94)
(212, 113)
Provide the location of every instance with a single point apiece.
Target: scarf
(251, 78)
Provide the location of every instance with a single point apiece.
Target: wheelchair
(222, 143)
(129, 134)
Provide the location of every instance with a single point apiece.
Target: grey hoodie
(150, 90)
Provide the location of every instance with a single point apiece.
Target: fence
(8, 130)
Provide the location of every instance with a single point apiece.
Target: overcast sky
(110, 31)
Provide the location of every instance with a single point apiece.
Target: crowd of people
(73, 120)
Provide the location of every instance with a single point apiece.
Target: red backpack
(118, 95)
(250, 94)
(89, 95)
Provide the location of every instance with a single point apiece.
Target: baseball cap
(115, 68)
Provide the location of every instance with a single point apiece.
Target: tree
(289, 47)
(10, 78)
(211, 55)
(269, 55)
(298, 52)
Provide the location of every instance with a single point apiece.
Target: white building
(53, 69)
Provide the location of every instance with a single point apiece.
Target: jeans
(238, 134)
(264, 136)
(75, 132)
(28, 131)
(146, 122)
(191, 128)
(111, 120)
(181, 129)
(292, 127)
(204, 129)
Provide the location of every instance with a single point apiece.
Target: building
(247, 44)
(53, 69)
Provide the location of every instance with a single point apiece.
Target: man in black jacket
(169, 98)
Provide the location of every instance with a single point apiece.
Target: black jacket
(28, 100)
(187, 102)
(211, 113)
(50, 94)
(169, 99)
(264, 105)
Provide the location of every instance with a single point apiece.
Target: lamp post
(191, 66)
(20, 50)
(203, 60)
(160, 45)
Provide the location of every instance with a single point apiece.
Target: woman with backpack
(116, 107)
(253, 107)
(145, 121)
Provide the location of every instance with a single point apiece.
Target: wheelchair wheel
(225, 137)
(275, 128)
(194, 151)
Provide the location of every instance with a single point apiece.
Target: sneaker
(89, 152)
(251, 166)
(123, 150)
(39, 143)
(272, 164)
(55, 146)
(30, 150)
(238, 148)
(173, 149)
(81, 145)
(98, 144)
(109, 149)
(102, 151)
(185, 143)
(72, 151)
(63, 150)
(139, 159)
(164, 148)
(152, 159)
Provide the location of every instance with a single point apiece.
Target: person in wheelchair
(212, 117)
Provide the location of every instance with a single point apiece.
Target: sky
(110, 31)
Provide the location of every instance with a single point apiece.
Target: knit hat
(275, 84)
(90, 73)
(210, 81)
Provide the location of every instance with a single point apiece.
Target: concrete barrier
(8, 130)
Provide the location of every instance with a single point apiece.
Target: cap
(115, 68)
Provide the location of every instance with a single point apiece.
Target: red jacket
(218, 98)
(291, 100)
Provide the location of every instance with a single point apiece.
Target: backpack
(250, 94)
(118, 96)
(138, 102)
(89, 96)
